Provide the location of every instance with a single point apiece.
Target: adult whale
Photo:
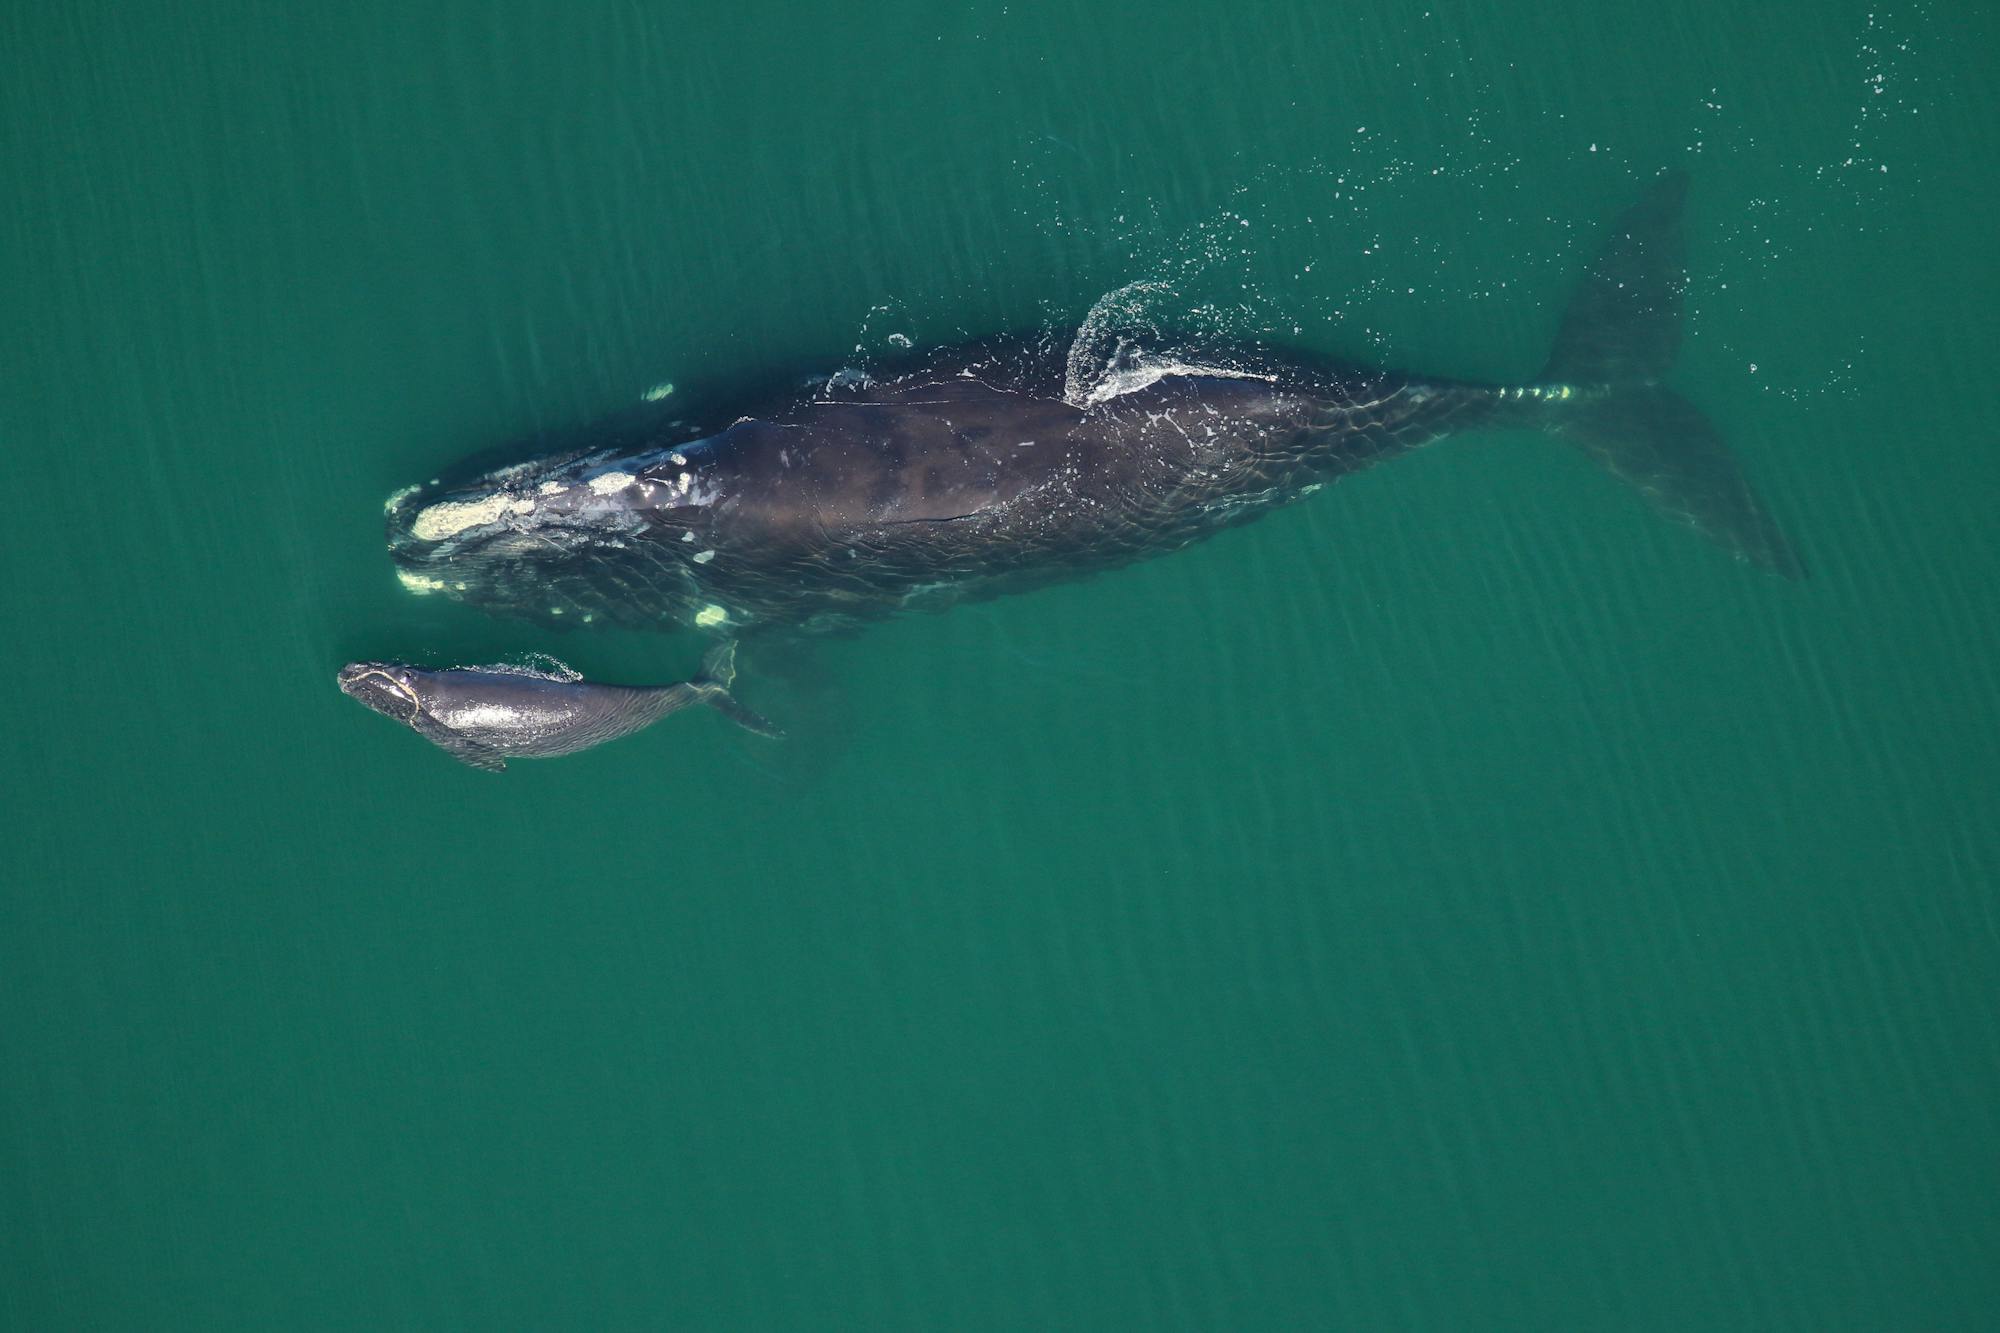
(984, 467)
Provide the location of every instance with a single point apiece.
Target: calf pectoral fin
(723, 702)
(471, 753)
(718, 665)
(718, 673)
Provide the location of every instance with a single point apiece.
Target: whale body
(983, 467)
(484, 716)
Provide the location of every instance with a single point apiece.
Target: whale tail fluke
(1618, 338)
(718, 674)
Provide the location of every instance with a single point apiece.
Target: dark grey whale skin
(970, 470)
(484, 716)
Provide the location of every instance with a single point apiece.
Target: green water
(1460, 901)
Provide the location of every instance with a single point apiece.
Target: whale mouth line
(530, 497)
(360, 677)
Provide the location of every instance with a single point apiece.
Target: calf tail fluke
(1618, 338)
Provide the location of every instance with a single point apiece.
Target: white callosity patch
(683, 488)
(419, 583)
(702, 557)
(447, 518)
(711, 615)
(394, 502)
(610, 483)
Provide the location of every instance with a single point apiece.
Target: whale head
(388, 688)
(513, 539)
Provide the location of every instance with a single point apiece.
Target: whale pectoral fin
(718, 664)
(470, 753)
(723, 702)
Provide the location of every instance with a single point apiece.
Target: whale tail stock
(1602, 392)
(718, 673)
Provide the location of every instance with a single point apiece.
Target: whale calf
(992, 466)
(484, 716)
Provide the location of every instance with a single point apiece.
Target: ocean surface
(1459, 901)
